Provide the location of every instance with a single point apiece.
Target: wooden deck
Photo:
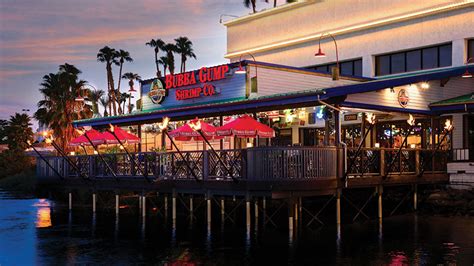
(275, 172)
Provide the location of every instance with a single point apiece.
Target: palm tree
(163, 61)
(122, 56)
(108, 56)
(94, 96)
(123, 99)
(252, 3)
(184, 47)
(104, 101)
(58, 108)
(170, 48)
(131, 77)
(157, 45)
(19, 132)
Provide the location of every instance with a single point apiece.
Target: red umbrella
(121, 134)
(94, 135)
(245, 127)
(186, 133)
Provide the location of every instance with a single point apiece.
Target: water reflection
(43, 213)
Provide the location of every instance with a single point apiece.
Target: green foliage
(19, 132)
(184, 47)
(58, 108)
(24, 181)
(13, 162)
(3, 131)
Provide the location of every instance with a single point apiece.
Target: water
(38, 231)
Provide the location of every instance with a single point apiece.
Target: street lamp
(241, 70)
(320, 54)
(467, 74)
(225, 15)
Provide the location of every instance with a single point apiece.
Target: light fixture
(412, 146)
(241, 70)
(425, 85)
(122, 147)
(79, 98)
(249, 144)
(392, 90)
(320, 53)
(95, 152)
(412, 87)
(377, 145)
(447, 125)
(411, 120)
(72, 153)
(467, 74)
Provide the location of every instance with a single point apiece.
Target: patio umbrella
(122, 135)
(245, 127)
(94, 135)
(186, 133)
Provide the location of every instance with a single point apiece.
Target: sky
(38, 36)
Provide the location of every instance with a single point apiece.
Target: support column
(222, 209)
(379, 192)
(209, 214)
(291, 213)
(338, 206)
(70, 201)
(415, 197)
(166, 205)
(173, 212)
(140, 202)
(256, 210)
(191, 205)
(94, 202)
(247, 210)
(144, 206)
(117, 204)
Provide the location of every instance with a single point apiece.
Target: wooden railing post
(417, 162)
(382, 162)
(205, 166)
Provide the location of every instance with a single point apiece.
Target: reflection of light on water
(43, 214)
(398, 258)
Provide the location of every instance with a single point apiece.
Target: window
(347, 68)
(470, 49)
(417, 59)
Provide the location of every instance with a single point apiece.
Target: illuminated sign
(199, 80)
(403, 98)
(157, 93)
(350, 117)
(201, 86)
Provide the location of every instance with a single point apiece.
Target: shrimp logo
(403, 98)
(157, 93)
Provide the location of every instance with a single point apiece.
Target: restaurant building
(370, 95)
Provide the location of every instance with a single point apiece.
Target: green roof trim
(463, 99)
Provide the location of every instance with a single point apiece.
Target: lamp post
(30, 145)
(50, 140)
(371, 120)
(411, 123)
(467, 74)
(82, 132)
(196, 126)
(164, 129)
(241, 70)
(448, 127)
(112, 131)
(320, 54)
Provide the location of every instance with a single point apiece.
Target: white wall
(315, 17)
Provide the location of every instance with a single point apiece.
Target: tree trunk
(158, 72)
(254, 6)
(120, 111)
(274, 3)
(112, 89)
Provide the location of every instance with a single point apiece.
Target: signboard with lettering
(205, 85)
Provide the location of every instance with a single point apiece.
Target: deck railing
(265, 163)
(383, 162)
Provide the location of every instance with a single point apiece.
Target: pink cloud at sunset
(37, 36)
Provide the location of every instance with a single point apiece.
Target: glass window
(398, 63)
(470, 48)
(430, 58)
(413, 60)
(417, 59)
(383, 65)
(358, 67)
(445, 55)
(347, 68)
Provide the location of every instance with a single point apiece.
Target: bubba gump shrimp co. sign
(198, 83)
